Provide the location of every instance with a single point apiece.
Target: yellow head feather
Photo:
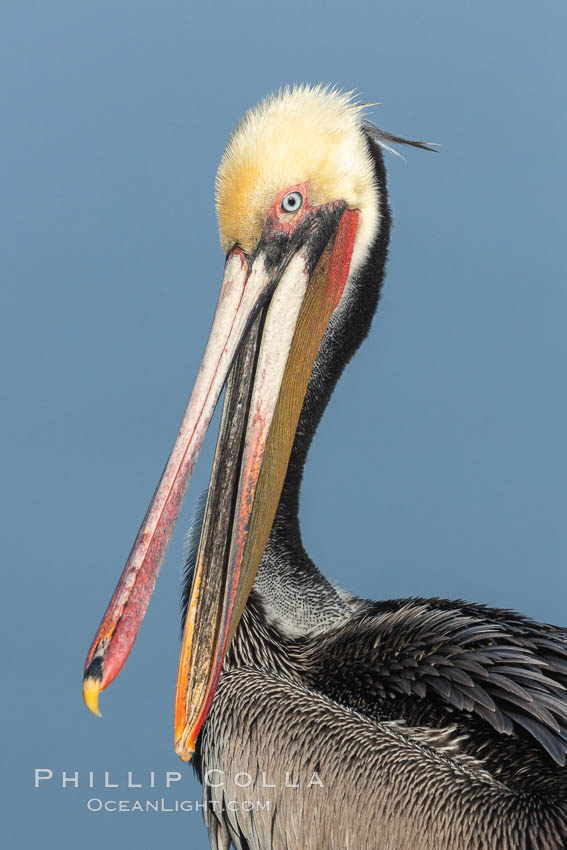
(302, 134)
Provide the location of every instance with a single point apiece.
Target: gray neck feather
(296, 597)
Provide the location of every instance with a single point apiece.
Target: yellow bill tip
(91, 690)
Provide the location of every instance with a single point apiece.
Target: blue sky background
(439, 468)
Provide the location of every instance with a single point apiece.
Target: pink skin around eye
(286, 222)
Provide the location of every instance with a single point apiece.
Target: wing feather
(497, 665)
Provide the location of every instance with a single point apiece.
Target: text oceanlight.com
(95, 804)
(235, 785)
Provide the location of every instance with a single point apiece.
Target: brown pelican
(317, 719)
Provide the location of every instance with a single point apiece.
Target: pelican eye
(292, 202)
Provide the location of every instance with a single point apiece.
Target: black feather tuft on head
(384, 139)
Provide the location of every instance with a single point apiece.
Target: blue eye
(292, 202)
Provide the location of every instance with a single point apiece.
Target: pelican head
(298, 209)
(306, 135)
